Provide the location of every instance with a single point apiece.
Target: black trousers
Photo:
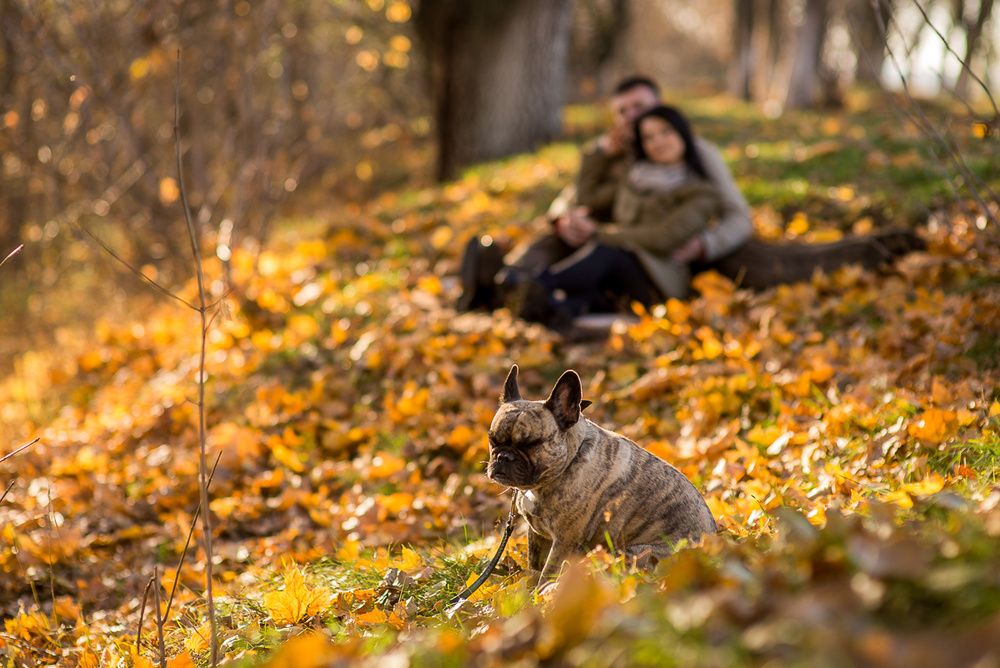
(599, 279)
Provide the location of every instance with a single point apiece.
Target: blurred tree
(744, 61)
(778, 52)
(807, 74)
(974, 32)
(497, 74)
(866, 20)
(599, 28)
(87, 112)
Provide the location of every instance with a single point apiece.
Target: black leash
(508, 529)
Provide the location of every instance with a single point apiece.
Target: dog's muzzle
(504, 467)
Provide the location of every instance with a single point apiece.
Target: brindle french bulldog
(580, 486)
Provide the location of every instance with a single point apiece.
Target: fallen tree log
(762, 264)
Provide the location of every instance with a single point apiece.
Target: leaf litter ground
(844, 433)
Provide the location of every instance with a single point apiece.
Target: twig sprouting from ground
(159, 618)
(142, 613)
(23, 447)
(187, 543)
(202, 311)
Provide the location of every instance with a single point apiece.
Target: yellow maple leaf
(713, 285)
(28, 624)
(89, 659)
(297, 600)
(932, 484)
(350, 551)
(198, 641)
(284, 454)
(900, 498)
(798, 225)
(817, 516)
(409, 561)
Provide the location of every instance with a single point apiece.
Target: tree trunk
(803, 85)
(760, 264)
(741, 71)
(868, 21)
(973, 35)
(767, 35)
(497, 73)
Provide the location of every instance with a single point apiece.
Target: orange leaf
(934, 426)
(181, 661)
(965, 472)
(384, 465)
(139, 661)
(395, 502)
(373, 617)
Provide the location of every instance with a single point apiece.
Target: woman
(664, 201)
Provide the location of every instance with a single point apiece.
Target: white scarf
(644, 175)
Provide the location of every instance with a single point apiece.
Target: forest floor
(845, 433)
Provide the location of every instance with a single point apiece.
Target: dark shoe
(480, 265)
(535, 304)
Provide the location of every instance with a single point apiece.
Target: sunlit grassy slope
(843, 431)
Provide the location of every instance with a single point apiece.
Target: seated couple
(650, 199)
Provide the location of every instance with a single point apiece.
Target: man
(578, 211)
(606, 161)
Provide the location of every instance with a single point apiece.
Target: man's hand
(576, 228)
(615, 141)
(691, 250)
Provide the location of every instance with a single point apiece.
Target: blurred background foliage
(337, 100)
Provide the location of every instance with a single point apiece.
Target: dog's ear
(566, 399)
(510, 391)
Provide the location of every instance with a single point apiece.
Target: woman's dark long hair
(679, 123)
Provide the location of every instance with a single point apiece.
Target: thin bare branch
(159, 619)
(11, 254)
(203, 463)
(4, 495)
(965, 65)
(927, 127)
(142, 613)
(137, 272)
(187, 543)
(23, 447)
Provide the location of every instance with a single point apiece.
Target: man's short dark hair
(637, 81)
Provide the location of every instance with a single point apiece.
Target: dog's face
(528, 439)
